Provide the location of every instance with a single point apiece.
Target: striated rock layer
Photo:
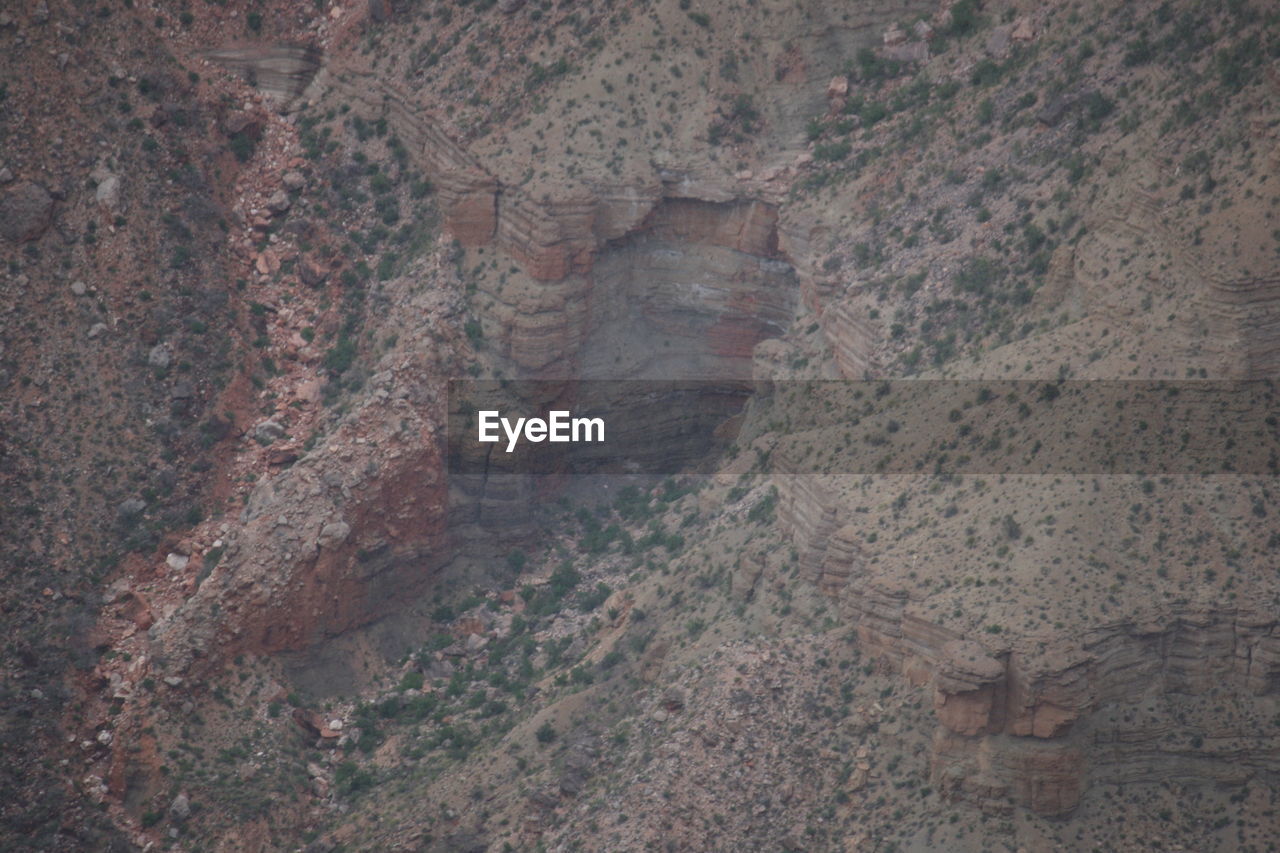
(600, 273)
(1035, 723)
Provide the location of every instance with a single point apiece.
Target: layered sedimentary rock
(1247, 309)
(969, 687)
(1033, 722)
(329, 544)
(853, 338)
(602, 271)
(281, 71)
(1235, 312)
(689, 292)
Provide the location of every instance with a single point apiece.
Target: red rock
(314, 724)
(282, 456)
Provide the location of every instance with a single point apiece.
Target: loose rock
(159, 357)
(279, 202)
(108, 193)
(267, 432)
(180, 808)
(26, 211)
(333, 534)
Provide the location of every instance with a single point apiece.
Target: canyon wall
(329, 544)
(676, 276)
(1034, 721)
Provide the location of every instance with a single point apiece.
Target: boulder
(180, 808)
(293, 181)
(108, 194)
(333, 534)
(267, 432)
(281, 457)
(1052, 113)
(26, 212)
(838, 87)
(242, 121)
(312, 271)
(159, 357)
(997, 42)
(315, 725)
(279, 202)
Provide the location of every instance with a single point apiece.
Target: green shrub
(350, 778)
(978, 275)
(832, 151)
(339, 357)
(242, 145)
(986, 73)
(964, 18)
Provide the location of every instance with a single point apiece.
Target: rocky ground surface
(247, 608)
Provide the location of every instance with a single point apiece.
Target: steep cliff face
(676, 276)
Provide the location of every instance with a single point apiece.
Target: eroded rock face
(26, 211)
(1033, 723)
(324, 546)
(690, 292)
(967, 686)
(674, 272)
(281, 71)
